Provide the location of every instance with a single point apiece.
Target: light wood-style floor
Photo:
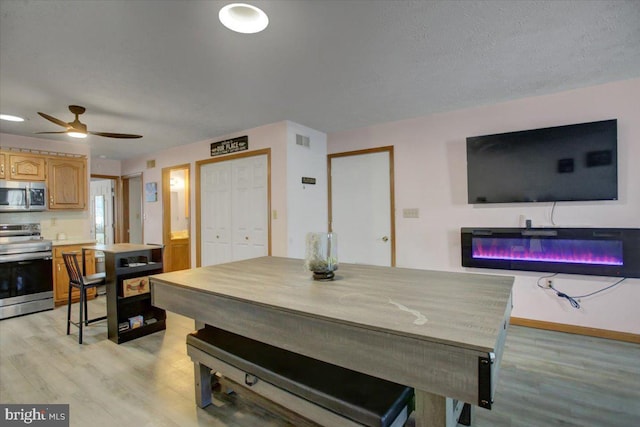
(547, 378)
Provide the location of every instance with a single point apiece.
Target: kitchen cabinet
(2, 166)
(65, 176)
(25, 167)
(127, 267)
(61, 278)
(67, 183)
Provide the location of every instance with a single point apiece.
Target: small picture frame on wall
(151, 191)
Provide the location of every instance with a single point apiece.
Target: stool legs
(83, 318)
(69, 311)
(82, 303)
(86, 308)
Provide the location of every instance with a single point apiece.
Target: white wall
(272, 136)
(105, 167)
(136, 228)
(306, 203)
(430, 174)
(295, 209)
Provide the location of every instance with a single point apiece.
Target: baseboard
(578, 330)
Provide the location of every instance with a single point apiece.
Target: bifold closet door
(249, 219)
(234, 217)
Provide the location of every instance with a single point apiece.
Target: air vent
(303, 141)
(151, 164)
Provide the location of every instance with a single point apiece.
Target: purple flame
(597, 252)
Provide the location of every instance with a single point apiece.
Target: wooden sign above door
(227, 146)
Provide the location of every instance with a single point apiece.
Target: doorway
(103, 208)
(176, 219)
(361, 205)
(132, 216)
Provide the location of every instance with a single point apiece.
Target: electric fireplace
(591, 251)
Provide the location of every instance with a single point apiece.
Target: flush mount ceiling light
(11, 118)
(243, 18)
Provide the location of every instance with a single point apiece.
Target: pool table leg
(440, 411)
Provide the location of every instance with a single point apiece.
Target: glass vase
(322, 255)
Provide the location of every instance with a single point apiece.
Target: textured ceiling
(170, 71)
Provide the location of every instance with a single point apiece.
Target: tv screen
(563, 163)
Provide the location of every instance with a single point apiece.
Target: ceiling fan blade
(116, 135)
(54, 120)
(42, 133)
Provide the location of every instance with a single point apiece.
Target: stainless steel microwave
(20, 196)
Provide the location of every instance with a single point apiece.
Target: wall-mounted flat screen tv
(563, 163)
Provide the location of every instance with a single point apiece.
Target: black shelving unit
(127, 261)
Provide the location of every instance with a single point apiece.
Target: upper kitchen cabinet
(24, 167)
(67, 182)
(2, 166)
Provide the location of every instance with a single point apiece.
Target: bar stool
(82, 283)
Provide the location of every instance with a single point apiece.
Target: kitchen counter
(70, 242)
(119, 248)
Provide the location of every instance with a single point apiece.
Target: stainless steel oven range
(26, 273)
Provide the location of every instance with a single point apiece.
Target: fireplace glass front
(610, 252)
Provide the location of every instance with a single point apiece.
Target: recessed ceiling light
(11, 118)
(243, 18)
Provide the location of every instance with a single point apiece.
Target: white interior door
(234, 216)
(215, 194)
(102, 194)
(249, 208)
(361, 207)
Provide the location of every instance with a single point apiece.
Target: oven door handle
(25, 257)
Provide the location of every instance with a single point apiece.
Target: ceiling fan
(78, 129)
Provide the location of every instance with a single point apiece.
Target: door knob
(385, 238)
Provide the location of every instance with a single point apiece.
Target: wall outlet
(548, 283)
(411, 213)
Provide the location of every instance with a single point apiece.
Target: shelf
(152, 266)
(134, 298)
(145, 262)
(131, 334)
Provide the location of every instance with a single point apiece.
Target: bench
(324, 393)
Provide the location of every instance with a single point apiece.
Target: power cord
(545, 277)
(574, 300)
(553, 208)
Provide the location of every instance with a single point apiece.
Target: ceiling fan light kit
(77, 129)
(74, 134)
(243, 18)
